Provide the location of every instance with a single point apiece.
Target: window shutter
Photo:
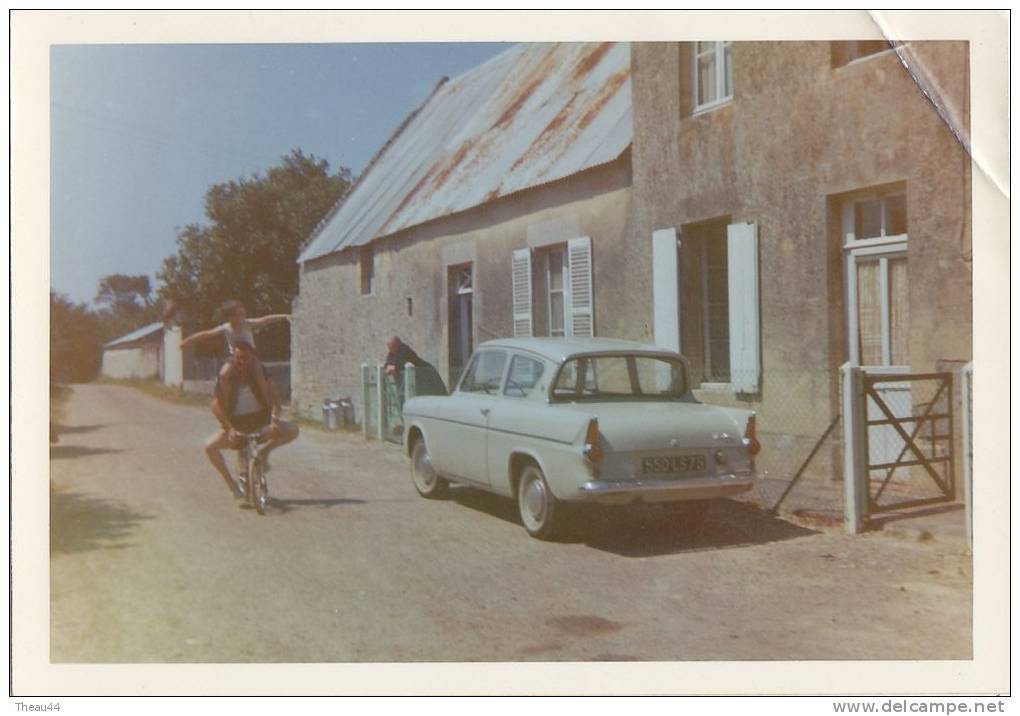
(581, 314)
(742, 277)
(521, 275)
(666, 289)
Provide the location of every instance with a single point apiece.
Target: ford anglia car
(548, 421)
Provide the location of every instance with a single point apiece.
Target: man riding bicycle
(245, 401)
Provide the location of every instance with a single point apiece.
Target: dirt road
(153, 561)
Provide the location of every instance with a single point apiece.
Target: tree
(76, 341)
(248, 250)
(125, 303)
(121, 292)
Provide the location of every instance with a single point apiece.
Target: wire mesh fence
(798, 418)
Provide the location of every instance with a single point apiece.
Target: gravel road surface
(153, 561)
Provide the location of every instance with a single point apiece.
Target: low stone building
(152, 351)
(500, 206)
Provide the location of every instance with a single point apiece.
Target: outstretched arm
(201, 336)
(263, 321)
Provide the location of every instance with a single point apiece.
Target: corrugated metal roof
(141, 333)
(532, 115)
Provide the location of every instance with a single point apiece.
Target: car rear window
(621, 376)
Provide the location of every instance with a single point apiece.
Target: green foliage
(125, 304)
(248, 250)
(76, 341)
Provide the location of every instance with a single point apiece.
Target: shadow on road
(289, 505)
(79, 523)
(650, 530)
(62, 452)
(75, 429)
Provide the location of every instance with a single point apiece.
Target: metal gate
(920, 438)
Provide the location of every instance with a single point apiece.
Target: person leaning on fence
(398, 354)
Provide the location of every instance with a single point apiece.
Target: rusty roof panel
(531, 115)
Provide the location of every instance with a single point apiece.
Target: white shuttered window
(581, 309)
(521, 275)
(742, 270)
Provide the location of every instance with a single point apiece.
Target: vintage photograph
(424, 351)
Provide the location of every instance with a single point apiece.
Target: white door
(879, 333)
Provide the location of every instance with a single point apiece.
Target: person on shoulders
(245, 401)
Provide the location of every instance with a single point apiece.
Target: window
(713, 73)
(621, 376)
(551, 287)
(523, 376)
(367, 269)
(459, 302)
(485, 373)
(875, 231)
(716, 305)
(844, 52)
(719, 302)
(557, 300)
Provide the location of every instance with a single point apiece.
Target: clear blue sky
(140, 132)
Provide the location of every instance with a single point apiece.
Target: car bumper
(705, 488)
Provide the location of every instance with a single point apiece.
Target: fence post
(967, 405)
(855, 469)
(380, 415)
(366, 399)
(410, 382)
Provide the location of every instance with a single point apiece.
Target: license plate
(668, 464)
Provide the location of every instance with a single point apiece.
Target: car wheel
(539, 509)
(426, 481)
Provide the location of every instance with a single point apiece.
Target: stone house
(771, 209)
(499, 206)
(804, 204)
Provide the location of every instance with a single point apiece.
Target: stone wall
(336, 328)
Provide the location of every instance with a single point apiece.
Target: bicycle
(253, 481)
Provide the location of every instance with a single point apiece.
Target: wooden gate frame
(947, 486)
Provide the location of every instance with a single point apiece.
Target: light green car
(548, 421)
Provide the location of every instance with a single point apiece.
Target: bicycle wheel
(258, 490)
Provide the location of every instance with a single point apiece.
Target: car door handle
(484, 411)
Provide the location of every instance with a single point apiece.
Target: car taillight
(592, 451)
(751, 436)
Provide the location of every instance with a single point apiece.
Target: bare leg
(284, 433)
(216, 442)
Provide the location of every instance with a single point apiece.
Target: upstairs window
(713, 73)
(845, 52)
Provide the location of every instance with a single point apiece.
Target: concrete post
(366, 398)
(855, 460)
(173, 359)
(966, 405)
(410, 381)
(380, 417)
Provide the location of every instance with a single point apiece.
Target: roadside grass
(159, 390)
